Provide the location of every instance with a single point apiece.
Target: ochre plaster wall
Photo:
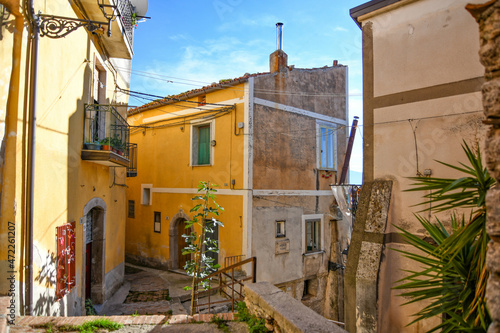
(164, 162)
(64, 183)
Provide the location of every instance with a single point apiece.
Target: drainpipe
(30, 188)
(347, 158)
(8, 150)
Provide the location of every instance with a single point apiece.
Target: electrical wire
(163, 78)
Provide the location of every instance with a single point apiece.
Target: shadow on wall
(46, 277)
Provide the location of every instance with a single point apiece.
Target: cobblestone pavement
(143, 294)
(145, 291)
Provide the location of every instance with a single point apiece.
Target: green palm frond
(452, 276)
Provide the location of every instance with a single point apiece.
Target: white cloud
(206, 62)
(339, 28)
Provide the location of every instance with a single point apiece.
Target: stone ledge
(283, 311)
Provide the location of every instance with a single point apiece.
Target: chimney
(279, 36)
(278, 60)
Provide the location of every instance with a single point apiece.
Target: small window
(313, 229)
(280, 229)
(310, 289)
(146, 198)
(201, 149)
(131, 209)
(158, 222)
(327, 152)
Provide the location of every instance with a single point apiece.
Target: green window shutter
(204, 145)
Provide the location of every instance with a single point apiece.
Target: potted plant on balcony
(116, 144)
(91, 145)
(106, 143)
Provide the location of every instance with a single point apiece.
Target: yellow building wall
(64, 183)
(164, 163)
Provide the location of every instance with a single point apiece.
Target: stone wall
(488, 17)
(283, 313)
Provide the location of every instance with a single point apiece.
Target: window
(157, 227)
(201, 144)
(131, 209)
(280, 229)
(327, 142)
(146, 198)
(312, 235)
(310, 289)
(312, 239)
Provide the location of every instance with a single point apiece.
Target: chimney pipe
(279, 36)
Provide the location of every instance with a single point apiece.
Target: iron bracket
(58, 26)
(333, 266)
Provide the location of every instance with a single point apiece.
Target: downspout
(30, 188)
(8, 150)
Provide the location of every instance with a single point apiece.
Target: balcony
(120, 44)
(106, 136)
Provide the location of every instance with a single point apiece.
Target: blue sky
(189, 44)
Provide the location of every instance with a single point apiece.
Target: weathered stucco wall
(282, 313)
(285, 143)
(422, 83)
(287, 180)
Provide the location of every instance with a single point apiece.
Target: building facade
(273, 143)
(63, 192)
(422, 99)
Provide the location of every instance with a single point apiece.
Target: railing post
(232, 287)
(254, 269)
(220, 284)
(209, 292)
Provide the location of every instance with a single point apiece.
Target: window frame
(283, 224)
(321, 220)
(131, 213)
(194, 142)
(328, 126)
(157, 222)
(146, 194)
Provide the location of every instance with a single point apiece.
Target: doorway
(176, 242)
(213, 236)
(181, 241)
(94, 255)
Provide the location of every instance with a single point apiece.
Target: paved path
(144, 295)
(155, 323)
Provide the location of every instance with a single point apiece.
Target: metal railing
(125, 11)
(226, 287)
(105, 129)
(228, 261)
(132, 156)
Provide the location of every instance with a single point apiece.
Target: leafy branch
(200, 246)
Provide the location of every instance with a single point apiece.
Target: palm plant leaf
(453, 274)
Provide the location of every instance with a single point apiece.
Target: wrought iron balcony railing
(106, 136)
(127, 17)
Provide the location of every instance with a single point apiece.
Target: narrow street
(150, 300)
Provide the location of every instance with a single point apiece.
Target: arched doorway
(95, 241)
(176, 241)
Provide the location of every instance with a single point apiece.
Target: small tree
(453, 275)
(198, 246)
